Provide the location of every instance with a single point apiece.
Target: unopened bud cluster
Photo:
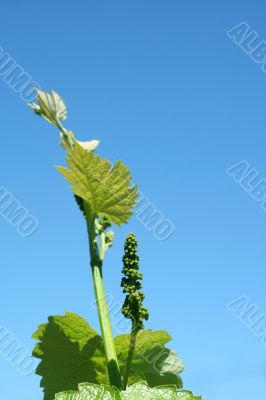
(133, 306)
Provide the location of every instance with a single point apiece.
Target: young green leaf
(50, 106)
(138, 391)
(89, 145)
(105, 189)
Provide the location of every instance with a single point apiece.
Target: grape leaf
(50, 106)
(138, 391)
(89, 145)
(71, 351)
(67, 344)
(152, 361)
(105, 189)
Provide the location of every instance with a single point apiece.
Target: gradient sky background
(164, 89)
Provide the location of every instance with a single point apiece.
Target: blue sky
(165, 89)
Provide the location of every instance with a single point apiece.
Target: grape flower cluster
(131, 282)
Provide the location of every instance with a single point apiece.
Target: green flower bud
(131, 283)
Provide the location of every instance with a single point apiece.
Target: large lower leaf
(152, 361)
(71, 351)
(138, 391)
(66, 347)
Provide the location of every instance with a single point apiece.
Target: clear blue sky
(164, 89)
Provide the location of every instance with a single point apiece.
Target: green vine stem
(52, 108)
(97, 257)
(105, 324)
(131, 350)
